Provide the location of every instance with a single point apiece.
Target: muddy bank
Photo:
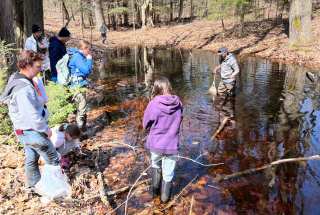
(266, 39)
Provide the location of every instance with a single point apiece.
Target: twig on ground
(7, 138)
(224, 122)
(121, 190)
(102, 190)
(121, 204)
(120, 144)
(253, 170)
(172, 202)
(192, 200)
(134, 184)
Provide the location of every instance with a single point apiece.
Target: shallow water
(274, 115)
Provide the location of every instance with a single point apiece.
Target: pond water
(274, 115)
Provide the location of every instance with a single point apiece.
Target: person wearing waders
(103, 31)
(229, 69)
(27, 114)
(163, 117)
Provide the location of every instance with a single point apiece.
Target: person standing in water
(229, 69)
(163, 117)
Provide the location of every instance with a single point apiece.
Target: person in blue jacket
(80, 67)
(57, 49)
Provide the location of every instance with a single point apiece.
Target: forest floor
(266, 38)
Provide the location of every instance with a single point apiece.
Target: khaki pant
(81, 101)
(225, 88)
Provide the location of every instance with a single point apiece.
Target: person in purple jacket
(163, 117)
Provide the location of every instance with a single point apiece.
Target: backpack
(63, 70)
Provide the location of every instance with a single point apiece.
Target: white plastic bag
(213, 90)
(53, 184)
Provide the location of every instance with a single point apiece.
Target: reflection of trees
(291, 177)
(148, 66)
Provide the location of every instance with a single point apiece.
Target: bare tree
(180, 9)
(98, 14)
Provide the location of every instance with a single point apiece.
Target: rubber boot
(156, 181)
(165, 191)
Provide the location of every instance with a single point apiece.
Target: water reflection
(275, 114)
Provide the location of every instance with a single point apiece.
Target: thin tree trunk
(300, 22)
(191, 9)
(82, 19)
(171, 10)
(126, 16)
(180, 9)
(65, 13)
(98, 14)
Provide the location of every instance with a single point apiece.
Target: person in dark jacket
(163, 118)
(57, 49)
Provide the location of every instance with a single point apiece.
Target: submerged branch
(224, 122)
(266, 166)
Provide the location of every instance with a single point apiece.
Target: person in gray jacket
(229, 69)
(28, 116)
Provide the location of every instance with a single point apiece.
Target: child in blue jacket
(80, 66)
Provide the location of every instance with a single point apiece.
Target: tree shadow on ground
(259, 29)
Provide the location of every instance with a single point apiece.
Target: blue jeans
(36, 144)
(168, 163)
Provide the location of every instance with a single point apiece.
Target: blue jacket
(56, 51)
(80, 68)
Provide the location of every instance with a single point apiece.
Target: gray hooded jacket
(228, 67)
(25, 110)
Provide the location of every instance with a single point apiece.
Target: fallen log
(266, 166)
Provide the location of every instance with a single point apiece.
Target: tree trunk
(206, 9)
(191, 9)
(126, 15)
(33, 14)
(65, 13)
(242, 20)
(180, 9)
(300, 22)
(171, 10)
(98, 14)
(16, 20)
(143, 13)
(90, 18)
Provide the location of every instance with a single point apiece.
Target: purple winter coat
(163, 116)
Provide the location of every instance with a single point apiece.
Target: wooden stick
(7, 138)
(253, 170)
(102, 190)
(119, 144)
(192, 200)
(123, 189)
(197, 162)
(224, 122)
(172, 202)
